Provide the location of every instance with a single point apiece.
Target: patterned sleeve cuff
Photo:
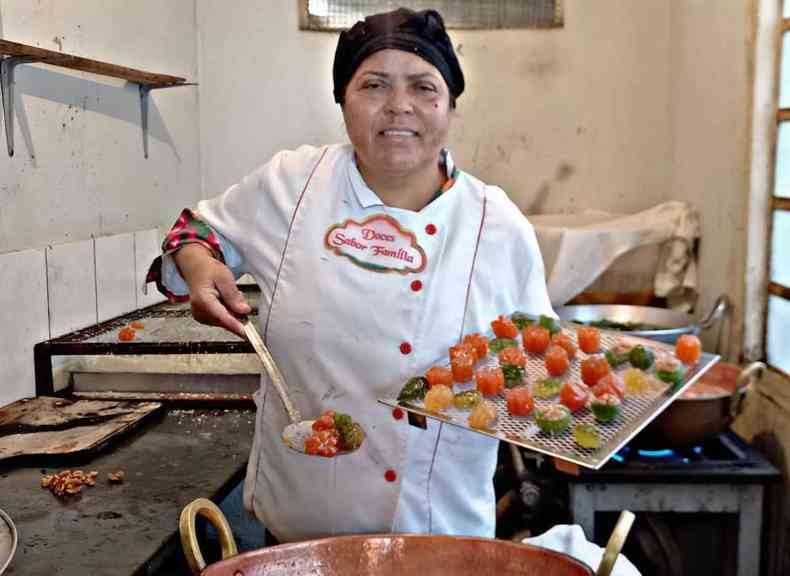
(188, 229)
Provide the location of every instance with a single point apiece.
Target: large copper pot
(705, 410)
(387, 554)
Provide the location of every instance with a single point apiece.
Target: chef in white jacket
(372, 258)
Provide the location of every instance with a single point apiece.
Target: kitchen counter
(126, 529)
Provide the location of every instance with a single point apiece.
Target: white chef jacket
(356, 298)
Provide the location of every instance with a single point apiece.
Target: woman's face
(397, 113)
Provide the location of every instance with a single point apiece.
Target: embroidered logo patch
(378, 243)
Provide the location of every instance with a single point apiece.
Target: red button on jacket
(430, 229)
(416, 285)
(397, 414)
(405, 348)
(390, 475)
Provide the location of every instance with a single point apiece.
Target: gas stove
(698, 510)
(725, 457)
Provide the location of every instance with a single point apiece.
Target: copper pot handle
(189, 541)
(743, 385)
(615, 543)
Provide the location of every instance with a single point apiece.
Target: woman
(372, 259)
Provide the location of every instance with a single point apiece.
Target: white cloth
(578, 248)
(570, 540)
(335, 321)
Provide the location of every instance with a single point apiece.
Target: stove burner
(724, 456)
(694, 454)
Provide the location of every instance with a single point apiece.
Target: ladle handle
(721, 307)
(271, 368)
(189, 541)
(615, 544)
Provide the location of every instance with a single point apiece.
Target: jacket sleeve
(189, 228)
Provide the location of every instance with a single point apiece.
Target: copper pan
(387, 554)
(695, 417)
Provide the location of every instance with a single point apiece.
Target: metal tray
(169, 331)
(637, 410)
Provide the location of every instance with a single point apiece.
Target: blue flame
(656, 453)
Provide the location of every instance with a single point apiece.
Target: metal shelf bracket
(7, 65)
(145, 89)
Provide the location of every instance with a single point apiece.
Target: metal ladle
(298, 430)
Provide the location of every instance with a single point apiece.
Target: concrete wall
(563, 119)
(629, 105)
(77, 195)
(79, 169)
(711, 83)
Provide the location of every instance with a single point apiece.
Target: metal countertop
(120, 529)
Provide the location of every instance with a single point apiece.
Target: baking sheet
(636, 412)
(166, 322)
(52, 427)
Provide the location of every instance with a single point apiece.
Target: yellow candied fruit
(438, 398)
(636, 381)
(483, 415)
(586, 436)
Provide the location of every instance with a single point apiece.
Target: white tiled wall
(115, 273)
(23, 320)
(49, 292)
(71, 285)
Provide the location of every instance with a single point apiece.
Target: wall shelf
(13, 54)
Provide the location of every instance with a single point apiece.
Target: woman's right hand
(213, 293)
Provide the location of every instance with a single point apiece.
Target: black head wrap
(421, 33)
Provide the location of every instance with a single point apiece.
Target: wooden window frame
(776, 203)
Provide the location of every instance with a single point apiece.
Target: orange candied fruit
(688, 348)
(504, 327)
(137, 325)
(439, 376)
(126, 334)
(479, 343)
(463, 366)
(462, 348)
(513, 355)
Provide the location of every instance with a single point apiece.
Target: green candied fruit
(546, 388)
(498, 344)
(467, 400)
(343, 421)
(352, 438)
(415, 389)
(586, 436)
(514, 375)
(553, 419)
(605, 411)
(641, 357)
(521, 319)
(675, 378)
(615, 360)
(349, 432)
(549, 323)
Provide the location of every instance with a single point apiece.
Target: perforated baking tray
(636, 412)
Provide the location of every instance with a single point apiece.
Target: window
(778, 309)
(474, 14)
